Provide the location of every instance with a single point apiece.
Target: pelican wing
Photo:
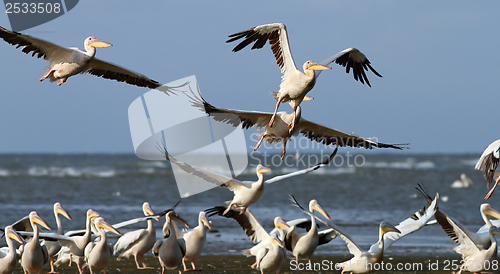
(328, 136)
(23, 224)
(354, 59)
(467, 246)
(277, 36)
(156, 247)
(485, 228)
(303, 171)
(39, 47)
(128, 240)
(325, 236)
(489, 161)
(354, 249)
(247, 221)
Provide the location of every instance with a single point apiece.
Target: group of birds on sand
(91, 248)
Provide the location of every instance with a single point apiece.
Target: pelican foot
(62, 81)
(243, 210)
(47, 75)
(227, 209)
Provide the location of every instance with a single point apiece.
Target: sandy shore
(324, 264)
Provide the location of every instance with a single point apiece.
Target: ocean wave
(71, 172)
(408, 164)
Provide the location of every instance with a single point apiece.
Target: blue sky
(439, 62)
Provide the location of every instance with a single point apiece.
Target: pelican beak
(389, 228)
(60, 210)
(37, 220)
(205, 221)
(11, 233)
(494, 230)
(491, 212)
(92, 214)
(100, 44)
(316, 66)
(108, 227)
(277, 241)
(264, 169)
(279, 223)
(308, 98)
(173, 216)
(318, 208)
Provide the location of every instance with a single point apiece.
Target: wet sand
(241, 264)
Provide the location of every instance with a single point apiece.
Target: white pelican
(34, 255)
(66, 62)
(170, 251)
(245, 193)
(463, 182)
(54, 246)
(195, 241)
(489, 162)
(9, 257)
(97, 254)
(296, 84)
(280, 132)
(136, 243)
(258, 235)
(481, 238)
(272, 256)
(303, 246)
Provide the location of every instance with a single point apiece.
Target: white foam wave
(70, 172)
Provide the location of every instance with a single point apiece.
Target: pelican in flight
(463, 182)
(280, 132)
(9, 256)
(34, 255)
(136, 243)
(195, 241)
(97, 254)
(170, 251)
(295, 84)
(267, 255)
(481, 238)
(54, 246)
(489, 162)
(66, 62)
(245, 193)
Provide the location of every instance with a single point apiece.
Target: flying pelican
(463, 182)
(66, 62)
(170, 251)
(489, 162)
(245, 193)
(481, 238)
(258, 235)
(54, 246)
(136, 243)
(281, 132)
(305, 245)
(97, 254)
(294, 83)
(34, 255)
(9, 257)
(195, 241)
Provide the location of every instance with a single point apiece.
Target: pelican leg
(47, 75)
(254, 265)
(141, 258)
(284, 149)
(260, 142)
(243, 210)
(62, 81)
(228, 208)
(492, 189)
(163, 270)
(52, 270)
(184, 264)
(194, 267)
(274, 114)
(292, 125)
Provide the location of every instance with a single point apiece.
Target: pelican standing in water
(296, 84)
(280, 132)
(54, 246)
(136, 243)
(489, 162)
(464, 182)
(195, 241)
(269, 252)
(34, 255)
(97, 254)
(66, 62)
(171, 250)
(9, 256)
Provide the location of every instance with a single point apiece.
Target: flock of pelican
(90, 247)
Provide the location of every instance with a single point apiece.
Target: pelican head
(59, 210)
(203, 218)
(100, 223)
(35, 219)
(172, 216)
(488, 210)
(91, 214)
(95, 43)
(279, 223)
(11, 233)
(386, 227)
(262, 169)
(313, 205)
(310, 65)
(277, 241)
